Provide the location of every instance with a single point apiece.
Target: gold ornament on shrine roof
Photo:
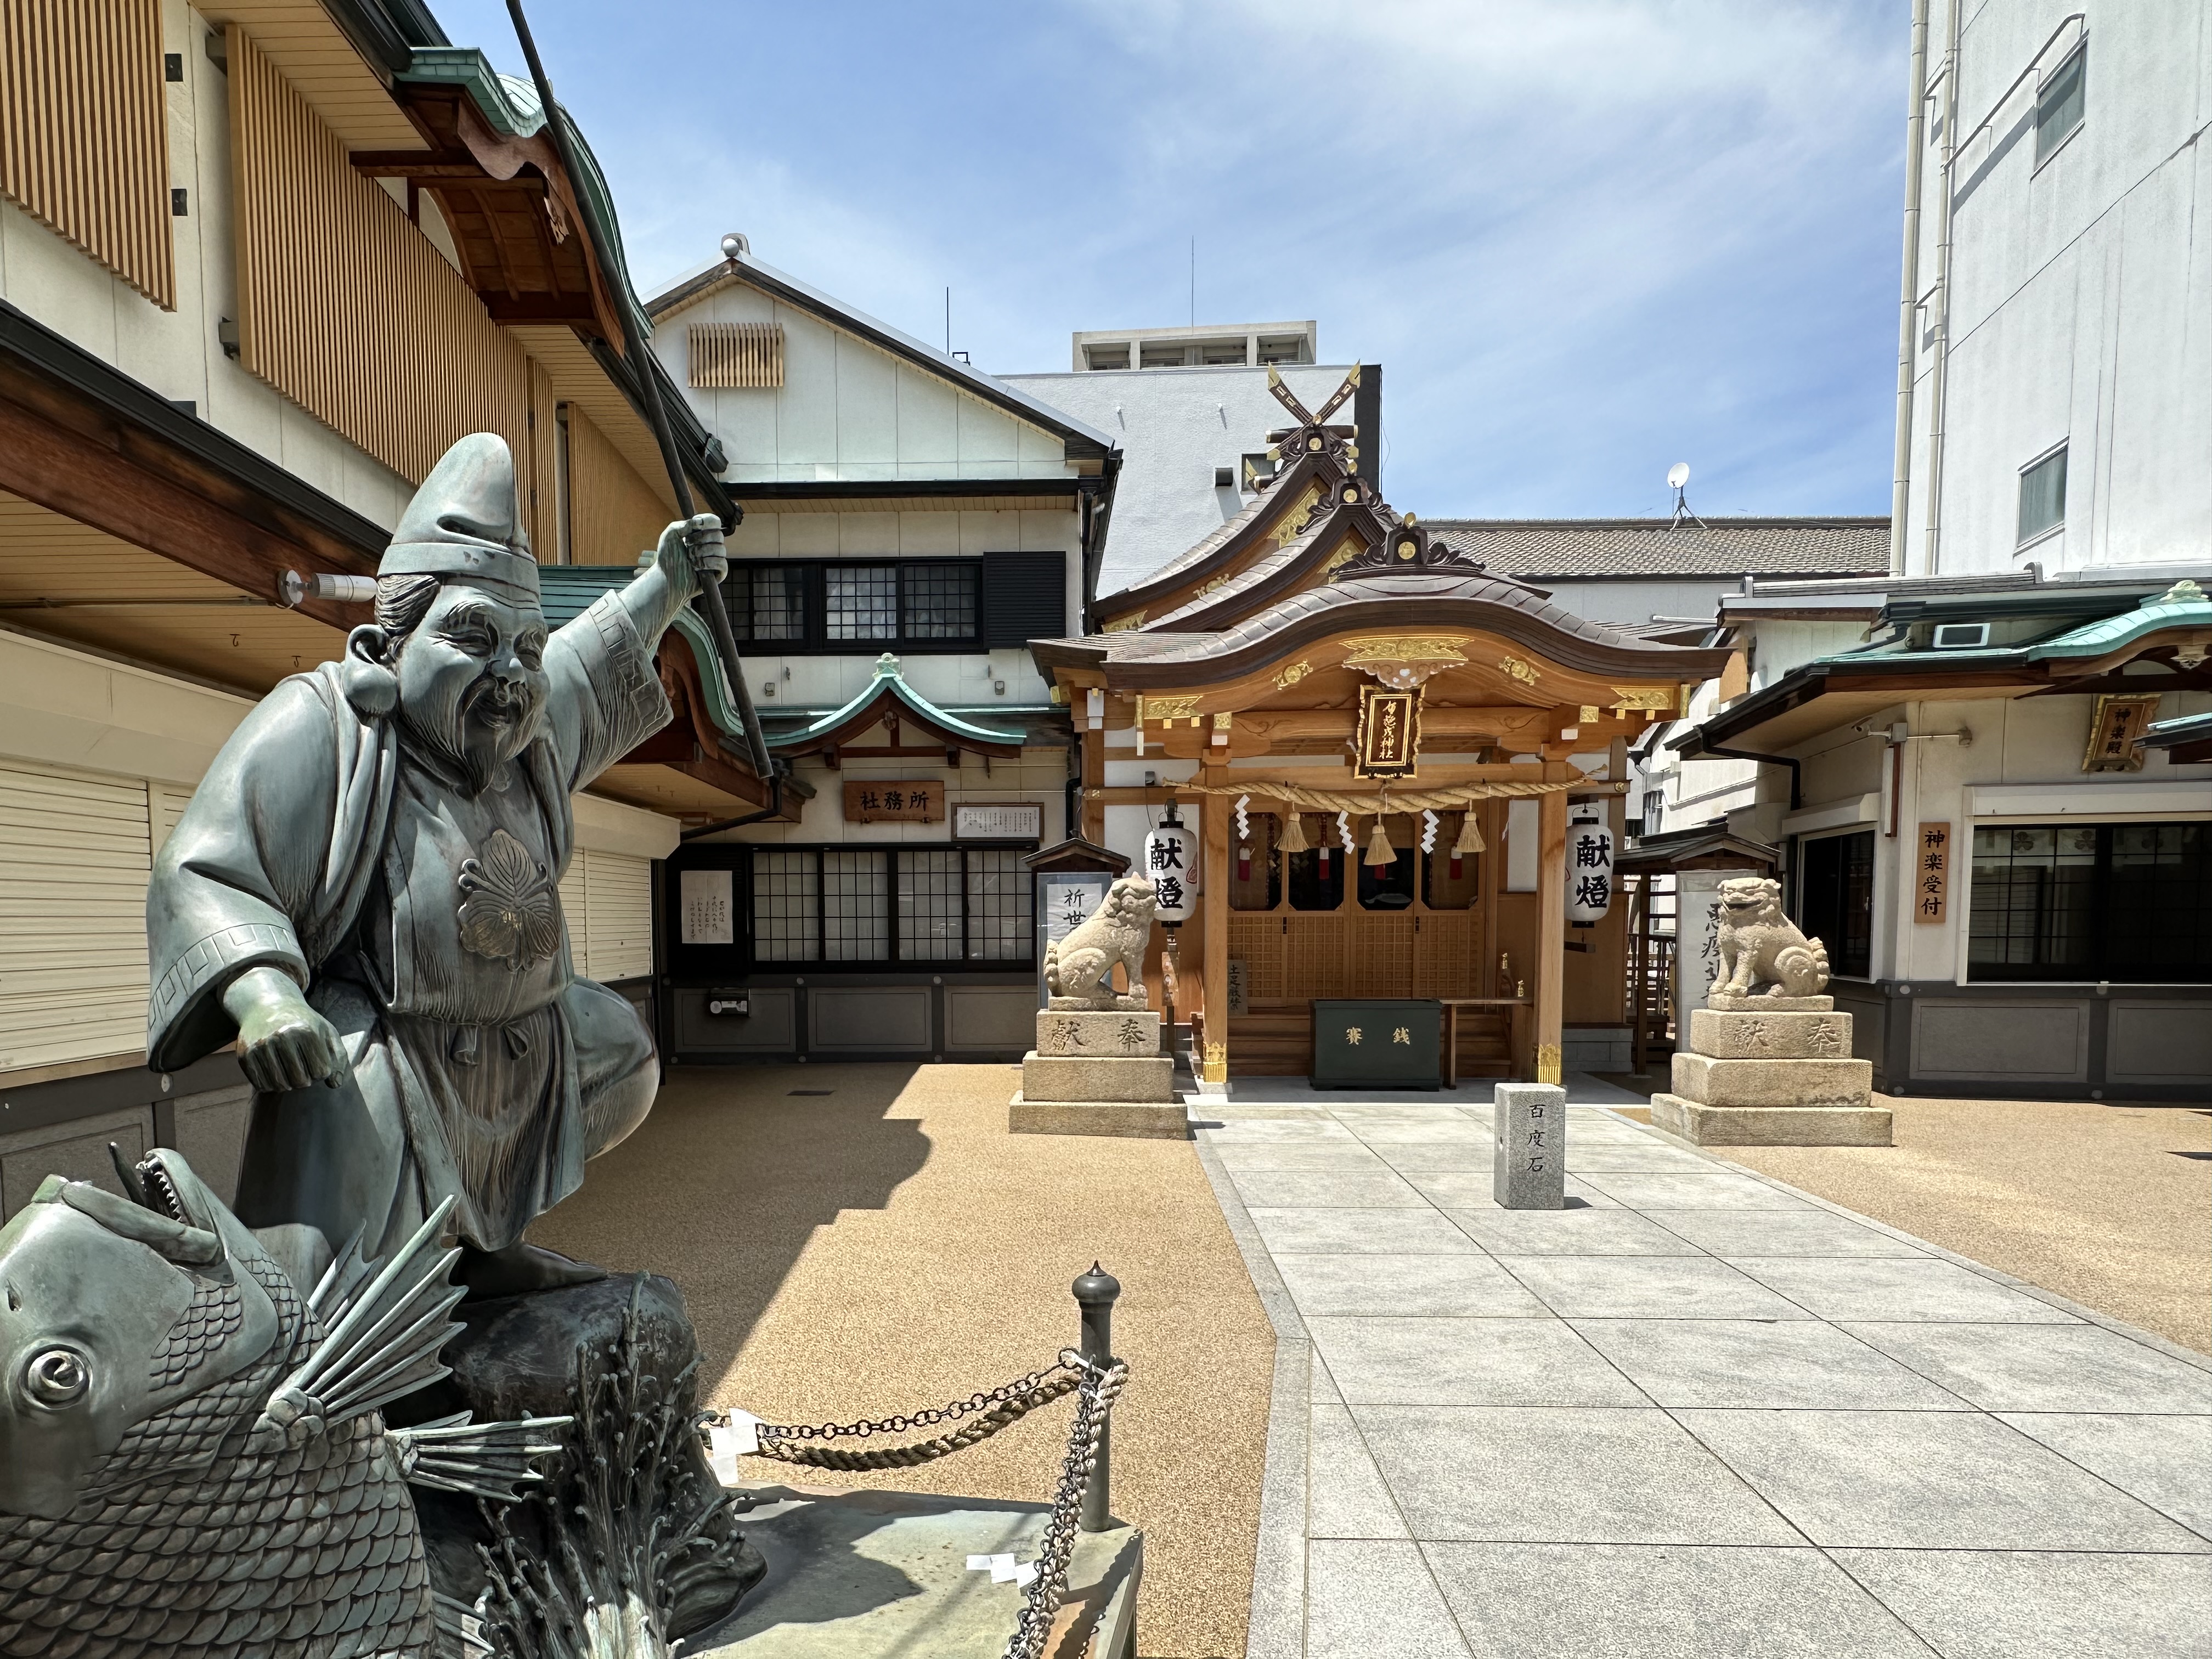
(1404, 660)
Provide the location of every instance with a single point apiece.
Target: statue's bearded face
(472, 679)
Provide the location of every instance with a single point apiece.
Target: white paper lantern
(1171, 865)
(1590, 868)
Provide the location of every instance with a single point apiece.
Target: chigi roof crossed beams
(1257, 640)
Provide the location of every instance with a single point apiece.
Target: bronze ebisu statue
(364, 894)
(216, 1422)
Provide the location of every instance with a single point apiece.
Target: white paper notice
(709, 917)
(727, 1442)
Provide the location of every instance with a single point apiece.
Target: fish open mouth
(158, 1192)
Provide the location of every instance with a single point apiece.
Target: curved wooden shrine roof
(1317, 554)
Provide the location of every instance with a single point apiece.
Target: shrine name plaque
(1378, 1043)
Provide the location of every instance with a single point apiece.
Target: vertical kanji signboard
(1931, 872)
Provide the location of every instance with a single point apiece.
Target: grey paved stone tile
(1346, 1496)
(1468, 1362)
(1364, 1232)
(1575, 1231)
(1776, 1366)
(2166, 1462)
(1469, 1188)
(1403, 1132)
(1647, 1287)
(1779, 1232)
(1560, 1476)
(1326, 1189)
(1719, 1189)
(1934, 1480)
(1411, 1111)
(1650, 1601)
(1237, 1156)
(1243, 1130)
(1892, 1288)
(2026, 1605)
(1375, 1601)
(2044, 1367)
(1469, 1286)
(1604, 1153)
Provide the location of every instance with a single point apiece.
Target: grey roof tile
(1559, 548)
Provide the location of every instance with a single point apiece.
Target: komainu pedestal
(1785, 1077)
(1098, 1071)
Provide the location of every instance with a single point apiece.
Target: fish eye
(57, 1377)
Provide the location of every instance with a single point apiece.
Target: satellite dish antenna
(1677, 476)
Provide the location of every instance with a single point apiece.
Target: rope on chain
(1096, 1387)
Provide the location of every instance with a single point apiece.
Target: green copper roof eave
(906, 693)
(566, 590)
(510, 105)
(2115, 633)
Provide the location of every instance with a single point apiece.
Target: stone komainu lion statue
(1081, 968)
(1762, 952)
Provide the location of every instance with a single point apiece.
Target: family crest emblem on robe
(510, 911)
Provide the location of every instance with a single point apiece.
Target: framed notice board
(1378, 1043)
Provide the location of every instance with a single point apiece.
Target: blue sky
(1586, 238)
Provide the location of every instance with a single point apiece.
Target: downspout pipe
(1915, 143)
(1931, 556)
(718, 614)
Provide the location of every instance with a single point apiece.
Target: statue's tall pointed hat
(464, 521)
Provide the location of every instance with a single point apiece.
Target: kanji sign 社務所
(921, 801)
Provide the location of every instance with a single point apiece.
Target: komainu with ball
(1762, 952)
(1078, 970)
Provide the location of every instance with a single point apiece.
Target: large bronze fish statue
(192, 1464)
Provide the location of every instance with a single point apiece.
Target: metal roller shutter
(75, 850)
(608, 901)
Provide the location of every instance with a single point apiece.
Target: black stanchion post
(1095, 1293)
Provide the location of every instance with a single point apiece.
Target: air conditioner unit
(1961, 636)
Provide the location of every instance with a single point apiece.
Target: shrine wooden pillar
(1212, 1066)
(1093, 809)
(1551, 930)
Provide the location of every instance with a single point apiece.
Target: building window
(2129, 901)
(1317, 880)
(1284, 348)
(1836, 900)
(787, 907)
(937, 602)
(1107, 356)
(831, 605)
(837, 905)
(860, 601)
(2058, 105)
(767, 601)
(2043, 494)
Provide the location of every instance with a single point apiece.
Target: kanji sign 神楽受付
(1931, 872)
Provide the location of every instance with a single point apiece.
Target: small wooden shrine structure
(1346, 680)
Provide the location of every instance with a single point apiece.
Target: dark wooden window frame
(814, 640)
(888, 852)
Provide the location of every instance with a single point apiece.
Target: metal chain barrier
(1096, 1387)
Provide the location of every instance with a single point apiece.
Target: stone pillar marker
(1530, 1167)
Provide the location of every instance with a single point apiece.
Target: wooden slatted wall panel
(343, 306)
(75, 854)
(612, 516)
(538, 472)
(84, 132)
(735, 354)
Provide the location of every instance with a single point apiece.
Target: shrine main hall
(1381, 747)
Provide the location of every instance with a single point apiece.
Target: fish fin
(383, 1335)
(485, 1459)
(466, 1628)
(341, 1279)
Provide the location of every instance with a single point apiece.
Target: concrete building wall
(2081, 301)
(1176, 427)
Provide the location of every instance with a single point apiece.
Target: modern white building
(2055, 383)
(1190, 410)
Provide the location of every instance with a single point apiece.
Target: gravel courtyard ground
(2108, 1204)
(887, 1245)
